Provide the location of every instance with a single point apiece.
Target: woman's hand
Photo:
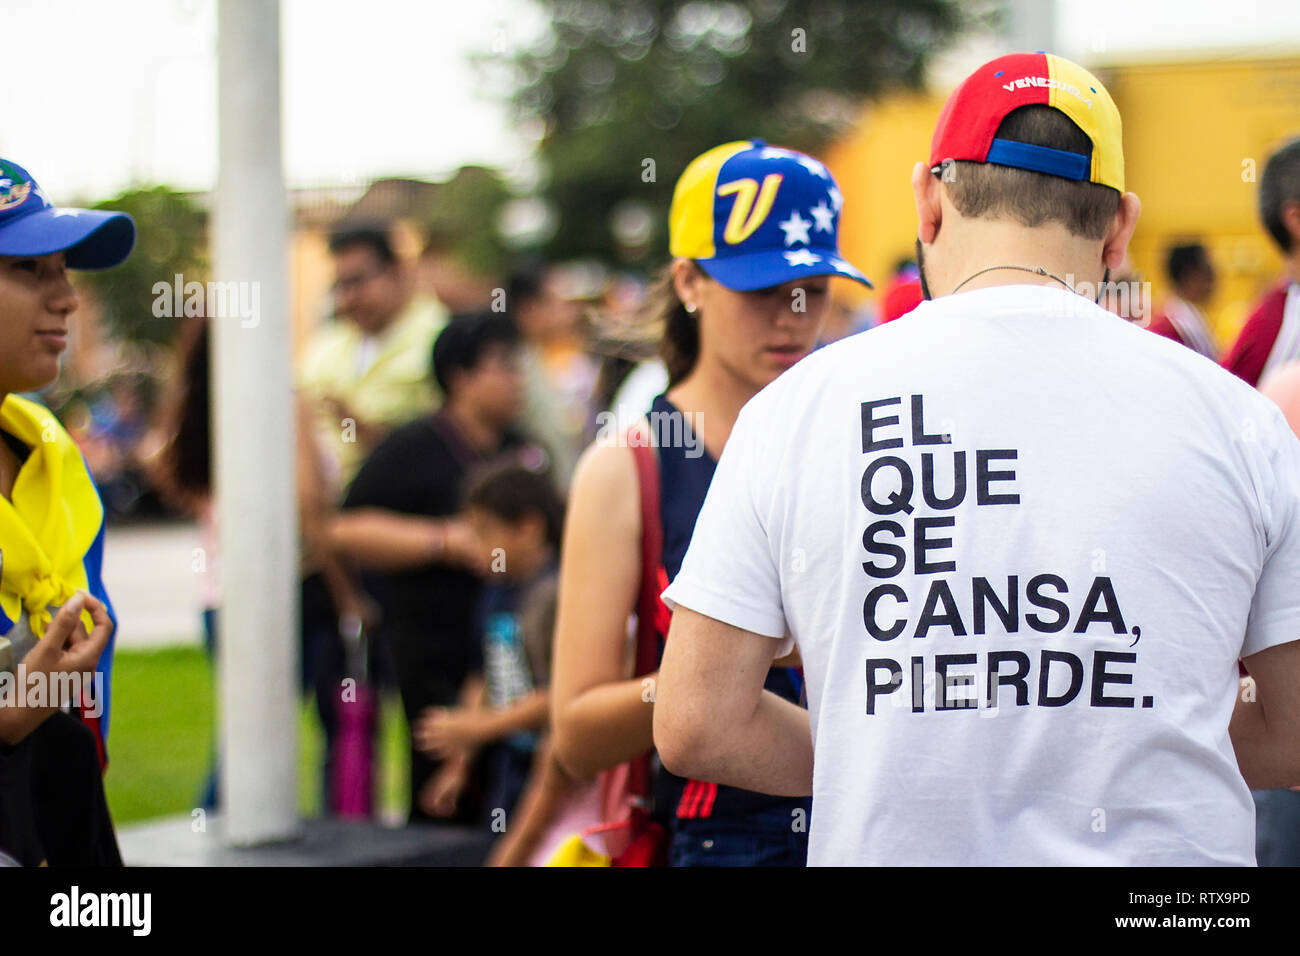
(66, 648)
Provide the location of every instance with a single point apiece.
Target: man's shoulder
(1272, 302)
(326, 348)
(419, 433)
(423, 318)
(332, 335)
(1265, 319)
(410, 454)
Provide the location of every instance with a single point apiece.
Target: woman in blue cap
(753, 235)
(56, 622)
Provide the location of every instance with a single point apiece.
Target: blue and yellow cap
(755, 216)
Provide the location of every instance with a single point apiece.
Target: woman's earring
(690, 308)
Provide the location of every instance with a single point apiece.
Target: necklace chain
(1038, 271)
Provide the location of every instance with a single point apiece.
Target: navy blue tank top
(685, 471)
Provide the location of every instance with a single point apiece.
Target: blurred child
(518, 517)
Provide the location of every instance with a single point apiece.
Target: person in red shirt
(1271, 336)
(1181, 317)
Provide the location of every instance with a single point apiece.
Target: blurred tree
(169, 242)
(617, 84)
(464, 210)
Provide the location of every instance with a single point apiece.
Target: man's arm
(714, 721)
(390, 541)
(1266, 731)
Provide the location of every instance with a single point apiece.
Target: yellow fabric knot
(43, 591)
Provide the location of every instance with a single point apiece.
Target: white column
(253, 430)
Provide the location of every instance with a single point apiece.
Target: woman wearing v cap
(753, 235)
(55, 616)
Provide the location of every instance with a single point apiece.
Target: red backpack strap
(651, 615)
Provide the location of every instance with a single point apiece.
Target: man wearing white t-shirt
(1019, 543)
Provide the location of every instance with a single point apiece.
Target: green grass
(161, 740)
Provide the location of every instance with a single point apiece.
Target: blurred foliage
(619, 82)
(461, 219)
(170, 231)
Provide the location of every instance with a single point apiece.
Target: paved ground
(149, 572)
(195, 841)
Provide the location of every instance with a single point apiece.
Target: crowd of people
(617, 645)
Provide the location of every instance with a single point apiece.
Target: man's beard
(920, 268)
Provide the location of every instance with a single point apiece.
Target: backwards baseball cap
(755, 216)
(970, 119)
(31, 226)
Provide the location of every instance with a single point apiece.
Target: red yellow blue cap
(968, 124)
(755, 216)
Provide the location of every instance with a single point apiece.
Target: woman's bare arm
(599, 717)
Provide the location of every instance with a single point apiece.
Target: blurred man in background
(559, 372)
(1271, 336)
(368, 372)
(402, 520)
(361, 375)
(1182, 317)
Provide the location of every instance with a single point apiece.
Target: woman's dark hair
(185, 465)
(679, 330)
(513, 492)
(464, 340)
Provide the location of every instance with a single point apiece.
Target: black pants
(426, 679)
(52, 803)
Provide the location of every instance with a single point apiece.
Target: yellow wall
(873, 166)
(1190, 132)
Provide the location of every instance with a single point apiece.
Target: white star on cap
(824, 215)
(837, 198)
(814, 167)
(776, 152)
(841, 266)
(795, 228)
(74, 213)
(801, 257)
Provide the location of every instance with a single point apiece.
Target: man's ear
(535, 523)
(929, 209)
(1290, 214)
(1121, 231)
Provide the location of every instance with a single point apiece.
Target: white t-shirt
(1124, 524)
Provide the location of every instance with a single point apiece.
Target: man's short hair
(1185, 259)
(1279, 184)
(525, 285)
(991, 191)
(462, 344)
(374, 238)
(512, 492)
